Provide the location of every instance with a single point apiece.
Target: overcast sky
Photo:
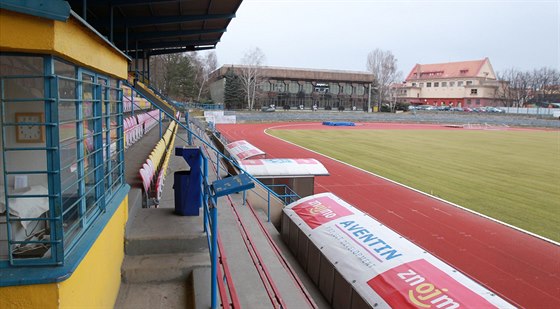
(339, 34)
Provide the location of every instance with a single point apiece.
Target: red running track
(519, 267)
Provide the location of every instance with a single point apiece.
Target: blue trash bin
(185, 204)
(188, 184)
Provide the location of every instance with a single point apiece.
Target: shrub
(401, 106)
(385, 108)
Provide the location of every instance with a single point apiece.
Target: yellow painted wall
(97, 280)
(25, 33)
(29, 296)
(69, 40)
(94, 284)
(74, 41)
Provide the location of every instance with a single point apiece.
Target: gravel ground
(511, 120)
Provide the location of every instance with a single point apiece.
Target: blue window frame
(72, 171)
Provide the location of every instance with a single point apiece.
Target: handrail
(289, 195)
(161, 95)
(209, 106)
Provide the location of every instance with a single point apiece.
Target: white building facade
(462, 84)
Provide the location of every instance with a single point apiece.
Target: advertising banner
(383, 267)
(241, 150)
(284, 167)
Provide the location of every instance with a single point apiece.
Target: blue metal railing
(205, 106)
(288, 196)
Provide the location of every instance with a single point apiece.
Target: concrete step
(201, 288)
(161, 267)
(155, 295)
(134, 204)
(160, 231)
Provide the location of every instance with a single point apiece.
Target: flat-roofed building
(465, 83)
(296, 87)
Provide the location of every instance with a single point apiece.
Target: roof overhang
(152, 27)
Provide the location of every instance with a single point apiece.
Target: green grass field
(513, 176)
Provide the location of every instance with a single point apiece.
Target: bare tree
(543, 84)
(522, 87)
(383, 66)
(251, 74)
(204, 66)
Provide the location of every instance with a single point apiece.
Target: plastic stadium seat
(151, 165)
(159, 186)
(145, 180)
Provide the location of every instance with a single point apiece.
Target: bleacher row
(154, 170)
(136, 126)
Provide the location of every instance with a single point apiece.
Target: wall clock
(29, 133)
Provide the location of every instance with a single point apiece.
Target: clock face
(27, 131)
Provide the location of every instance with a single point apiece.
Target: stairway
(162, 252)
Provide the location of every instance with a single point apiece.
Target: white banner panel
(242, 150)
(213, 113)
(284, 167)
(383, 267)
(232, 119)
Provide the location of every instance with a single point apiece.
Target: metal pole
(112, 25)
(148, 67)
(369, 99)
(160, 125)
(205, 192)
(84, 11)
(189, 134)
(204, 178)
(126, 39)
(217, 165)
(268, 212)
(136, 61)
(214, 252)
(244, 196)
(132, 101)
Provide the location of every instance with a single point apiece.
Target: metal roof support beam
(136, 58)
(112, 24)
(126, 38)
(84, 10)
(133, 2)
(168, 34)
(179, 50)
(176, 44)
(158, 20)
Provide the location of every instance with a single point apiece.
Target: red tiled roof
(447, 70)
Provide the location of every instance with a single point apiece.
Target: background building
(293, 87)
(465, 83)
